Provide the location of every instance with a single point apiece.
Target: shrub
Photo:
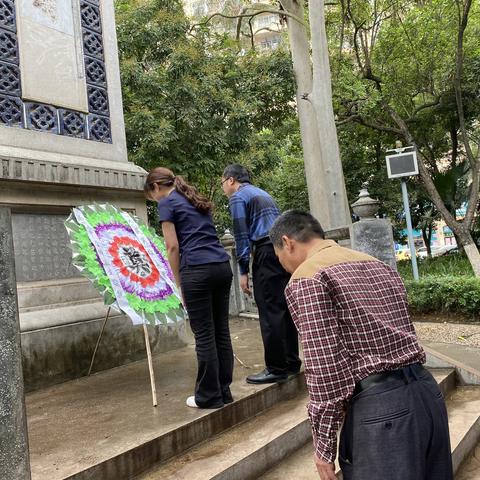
(445, 294)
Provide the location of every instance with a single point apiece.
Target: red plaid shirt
(351, 314)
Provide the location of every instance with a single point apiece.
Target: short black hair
(237, 172)
(297, 224)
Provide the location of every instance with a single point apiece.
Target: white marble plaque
(51, 59)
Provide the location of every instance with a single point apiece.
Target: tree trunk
(427, 237)
(321, 99)
(314, 168)
(471, 251)
(461, 231)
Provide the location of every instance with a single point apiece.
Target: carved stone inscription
(41, 248)
(51, 59)
(48, 7)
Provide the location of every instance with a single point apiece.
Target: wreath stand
(149, 356)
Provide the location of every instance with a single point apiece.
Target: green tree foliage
(276, 162)
(397, 62)
(194, 103)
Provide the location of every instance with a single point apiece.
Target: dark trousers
(206, 289)
(279, 335)
(397, 431)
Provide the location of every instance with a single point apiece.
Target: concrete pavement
(80, 423)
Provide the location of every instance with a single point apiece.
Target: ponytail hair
(165, 177)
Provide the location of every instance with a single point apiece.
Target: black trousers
(397, 431)
(279, 335)
(206, 289)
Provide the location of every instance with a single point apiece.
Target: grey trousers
(397, 430)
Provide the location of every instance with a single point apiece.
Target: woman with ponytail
(201, 268)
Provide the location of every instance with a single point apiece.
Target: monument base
(57, 354)
(61, 313)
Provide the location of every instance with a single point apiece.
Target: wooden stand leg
(150, 366)
(240, 362)
(98, 341)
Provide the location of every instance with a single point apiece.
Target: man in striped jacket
(253, 212)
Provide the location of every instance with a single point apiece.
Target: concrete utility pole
(14, 455)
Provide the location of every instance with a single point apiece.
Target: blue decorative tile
(10, 79)
(90, 15)
(11, 111)
(92, 44)
(99, 129)
(95, 72)
(72, 124)
(42, 117)
(7, 14)
(8, 46)
(97, 100)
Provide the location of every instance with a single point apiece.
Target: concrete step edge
(132, 462)
(244, 452)
(66, 314)
(470, 436)
(466, 446)
(448, 382)
(59, 306)
(467, 375)
(264, 457)
(273, 452)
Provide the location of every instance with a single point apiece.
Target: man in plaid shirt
(363, 363)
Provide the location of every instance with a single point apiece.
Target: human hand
(244, 284)
(325, 470)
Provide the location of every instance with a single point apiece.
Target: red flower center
(133, 261)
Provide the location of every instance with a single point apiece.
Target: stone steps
(53, 292)
(281, 437)
(463, 405)
(104, 427)
(245, 450)
(470, 470)
(233, 418)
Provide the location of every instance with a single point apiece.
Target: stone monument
(62, 143)
(372, 235)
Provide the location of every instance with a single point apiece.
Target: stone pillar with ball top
(372, 235)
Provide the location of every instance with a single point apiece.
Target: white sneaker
(191, 402)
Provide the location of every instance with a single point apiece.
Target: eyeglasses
(224, 180)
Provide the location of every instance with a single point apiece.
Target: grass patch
(445, 266)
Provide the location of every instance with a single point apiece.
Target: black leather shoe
(292, 372)
(266, 377)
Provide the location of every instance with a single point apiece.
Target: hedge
(445, 294)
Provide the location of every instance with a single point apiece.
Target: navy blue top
(253, 211)
(197, 237)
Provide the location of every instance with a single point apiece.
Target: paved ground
(471, 469)
(78, 423)
(459, 334)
